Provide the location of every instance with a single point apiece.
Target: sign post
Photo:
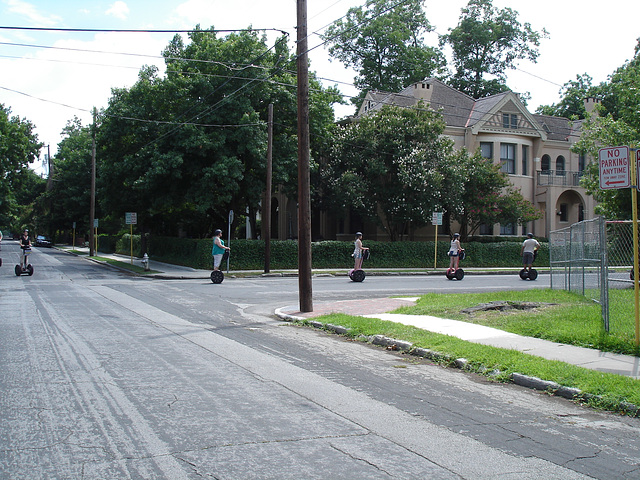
(634, 213)
(619, 170)
(436, 219)
(131, 219)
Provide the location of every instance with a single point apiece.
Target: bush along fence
(249, 254)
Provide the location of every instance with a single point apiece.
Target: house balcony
(560, 178)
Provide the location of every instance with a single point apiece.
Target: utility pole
(304, 185)
(92, 212)
(266, 214)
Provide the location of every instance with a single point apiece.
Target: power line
(113, 30)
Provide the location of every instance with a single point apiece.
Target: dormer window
(509, 120)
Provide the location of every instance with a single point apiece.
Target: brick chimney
(590, 104)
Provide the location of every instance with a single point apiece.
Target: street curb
(534, 383)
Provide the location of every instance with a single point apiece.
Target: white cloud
(119, 10)
(32, 14)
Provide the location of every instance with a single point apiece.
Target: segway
(532, 273)
(217, 276)
(457, 273)
(359, 275)
(24, 268)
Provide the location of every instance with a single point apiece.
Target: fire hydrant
(145, 262)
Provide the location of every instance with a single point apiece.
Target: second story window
(525, 160)
(508, 157)
(560, 165)
(546, 163)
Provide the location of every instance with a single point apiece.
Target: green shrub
(249, 254)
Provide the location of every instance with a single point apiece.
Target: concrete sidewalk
(376, 308)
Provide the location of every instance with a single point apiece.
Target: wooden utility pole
(304, 182)
(266, 213)
(92, 212)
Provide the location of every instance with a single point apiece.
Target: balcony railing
(562, 178)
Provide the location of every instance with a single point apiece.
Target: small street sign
(615, 168)
(131, 218)
(436, 218)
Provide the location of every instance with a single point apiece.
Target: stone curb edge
(526, 381)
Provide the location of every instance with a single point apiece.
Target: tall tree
(488, 197)
(384, 42)
(19, 147)
(616, 123)
(486, 43)
(196, 148)
(69, 198)
(392, 168)
(573, 93)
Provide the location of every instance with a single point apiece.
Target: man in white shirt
(529, 247)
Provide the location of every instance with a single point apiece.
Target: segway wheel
(523, 274)
(30, 269)
(18, 270)
(459, 274)
(0, 262)
(450, 274)
(533, 274)
(358, 275)
(217, 276)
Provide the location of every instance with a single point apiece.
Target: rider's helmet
(217, 232)
(456, 235)
(358, 234)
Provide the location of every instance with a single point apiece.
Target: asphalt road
(105, 375)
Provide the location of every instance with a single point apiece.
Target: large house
(534, 151)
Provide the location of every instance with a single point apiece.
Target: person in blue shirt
(218, 249)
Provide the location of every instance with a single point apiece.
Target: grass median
(561, 317)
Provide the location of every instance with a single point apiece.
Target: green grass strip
(612, 391)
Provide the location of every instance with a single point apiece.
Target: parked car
(42, 241)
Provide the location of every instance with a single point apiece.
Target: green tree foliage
(615, 124)
(393, 169)
(184, 150)
(488, 197)
(383, 41)
(573, 94)
(486, 43)
(68, 200)
(19, 147)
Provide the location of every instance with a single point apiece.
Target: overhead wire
(236, 67)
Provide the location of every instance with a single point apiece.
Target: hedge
(249, 254)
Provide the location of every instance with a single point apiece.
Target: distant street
(105, 375)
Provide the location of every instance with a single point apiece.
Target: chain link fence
(578, 262)
(592, 256)
(620, 253)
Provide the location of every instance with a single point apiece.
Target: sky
(50, 77)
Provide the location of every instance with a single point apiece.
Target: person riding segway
(25, 244)
(456, 253)
(360, 253)
(529, 252)
(220, 253)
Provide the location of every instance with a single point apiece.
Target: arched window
(560, 165)
(546, 163)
